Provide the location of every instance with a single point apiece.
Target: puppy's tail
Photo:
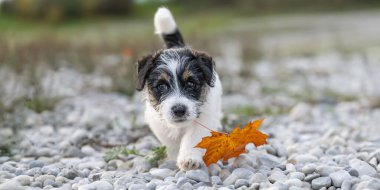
(166, 27)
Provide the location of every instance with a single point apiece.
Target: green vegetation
(156, 155)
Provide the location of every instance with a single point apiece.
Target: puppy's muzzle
(180, 112)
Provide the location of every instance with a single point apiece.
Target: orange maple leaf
(225, 146)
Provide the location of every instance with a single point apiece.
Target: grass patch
(154, 157)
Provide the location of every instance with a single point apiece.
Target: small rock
(277, 176)
(353, 172)
(102, 185)
(325, 170)
(187, 186)
(290, 167)
(169, 164)
(294, 182)
(369, 184)
(257, 178)
(161, 173)
(297, 175)
(50, 182)
(300, 111)
(216, 180)
(339, 177)
(346, 185)
(321, 182)
(42, 178)
(242, 173)
(309, 168)
(23, 179)
(198, 175)
(268, 160)
(224, 174)
(311, 177)
(241, 182)
(373, 162)
(35, 164)
(214, 169)
(69, 173)
(91, 165)
(50, 170)
(137, 187)
(305, 158)
(181, 181)
(362, 167)
(36, 184)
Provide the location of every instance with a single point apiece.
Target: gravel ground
(322, 116)
(320, 145)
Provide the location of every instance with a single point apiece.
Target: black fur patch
(192, 78)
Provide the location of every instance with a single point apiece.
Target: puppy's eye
(163, 87)
(190, 84)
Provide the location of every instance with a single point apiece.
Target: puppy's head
(176, 82)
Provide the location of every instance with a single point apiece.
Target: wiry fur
(179, 77)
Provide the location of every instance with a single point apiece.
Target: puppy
(180, 86)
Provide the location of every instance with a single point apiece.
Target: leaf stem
(196, 122)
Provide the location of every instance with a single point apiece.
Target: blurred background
(72, 61)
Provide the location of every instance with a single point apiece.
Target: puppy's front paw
(189, 162)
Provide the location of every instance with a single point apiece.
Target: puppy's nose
(179, 110)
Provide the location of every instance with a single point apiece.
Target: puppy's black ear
(144, 66)
(207, 65)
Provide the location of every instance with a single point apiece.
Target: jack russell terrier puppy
(180, 86)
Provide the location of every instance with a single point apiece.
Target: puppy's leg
(189, 157)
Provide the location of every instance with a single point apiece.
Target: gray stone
(224, 174)
(230, 180)
(297, 175)
(180, 174)
(241, 182)
(311, 177)
(214, 169)
(35, 164)
(102, 185)
(11, 184)
(362, 167)
(23, 179)
(346, 185)
(268, 160)
(309, 168)
(42, 178)
(181, 181)
(242, 173)
(198, 175)
(254, 186)
(169, 164)
(34, 172)
(339, 176)
(369, 184)
(50, 170)
(216, 180)
(294, 182)
(161, 173)
(257, 178)
(36, 184)
(321, 182)
(69, 173)
(137, 187)
(331, 188)
(50, 182)
(353, 172)
(277, 176)
(305, 158)
(187, 186)
(325, 170)
(290, 167)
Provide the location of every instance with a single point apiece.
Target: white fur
(164, 22)
(180, 138)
